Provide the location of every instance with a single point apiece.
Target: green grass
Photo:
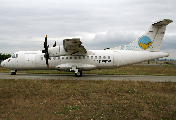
(85, 99)
(128, 70)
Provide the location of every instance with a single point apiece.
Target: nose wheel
(13, 72)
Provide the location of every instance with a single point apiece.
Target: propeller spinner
(46, 51)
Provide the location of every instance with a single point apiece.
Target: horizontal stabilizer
(162, 22)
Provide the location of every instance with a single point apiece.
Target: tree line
(4, 56)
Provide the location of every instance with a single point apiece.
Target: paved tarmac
(150, 78)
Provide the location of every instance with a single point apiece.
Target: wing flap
(74, 47)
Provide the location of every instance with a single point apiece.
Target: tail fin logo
(144, 42)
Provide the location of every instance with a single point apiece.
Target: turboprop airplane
(73, 57)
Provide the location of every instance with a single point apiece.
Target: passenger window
(41, 58)
(108, 57)
(95, 57)
(62, 58)
(58, 58)
(79, 57)
(66, 57)
(75, 57)
(99, 57)
(70, 57)
(91, 57)
(87, 57)
(104, 57)
(83, 57)
(54, 58)
(16, 55)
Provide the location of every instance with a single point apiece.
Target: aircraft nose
(2, 63)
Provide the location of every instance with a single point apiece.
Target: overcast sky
(99, 23)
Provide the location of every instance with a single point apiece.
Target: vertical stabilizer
(151, 40)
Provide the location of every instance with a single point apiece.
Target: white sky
(99, 23)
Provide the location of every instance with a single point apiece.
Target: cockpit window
(14, 55)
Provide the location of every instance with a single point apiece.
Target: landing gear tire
(13, 73)
(78, 74)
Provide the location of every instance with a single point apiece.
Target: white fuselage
(95, 59)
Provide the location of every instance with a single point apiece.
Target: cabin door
(116, 58)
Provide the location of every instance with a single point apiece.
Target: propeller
(54, 44)
(46, 51)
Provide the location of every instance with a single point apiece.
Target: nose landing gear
(13, 72)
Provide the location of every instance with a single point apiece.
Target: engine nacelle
(57, 51)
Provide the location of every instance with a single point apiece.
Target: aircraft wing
(74, 47)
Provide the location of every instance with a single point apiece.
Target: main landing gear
(78, 74)
(13, 72)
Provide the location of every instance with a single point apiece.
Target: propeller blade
(47, 60)
(45, 41)
(54, 44)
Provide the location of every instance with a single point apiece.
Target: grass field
(57, 99)
(128, 70)
(89, 99)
